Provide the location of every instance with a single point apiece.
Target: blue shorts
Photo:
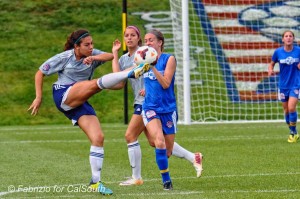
(137, 109)
(168, 120)
(75, 113)
(285, 94)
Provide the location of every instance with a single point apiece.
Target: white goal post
(223, 49)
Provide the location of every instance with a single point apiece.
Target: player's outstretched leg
(110, 80)
(139, 70)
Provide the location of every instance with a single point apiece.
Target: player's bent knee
(151, 143)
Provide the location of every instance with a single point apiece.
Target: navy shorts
(168, 120)
(285, 94)
(75, 113)
(137, 109)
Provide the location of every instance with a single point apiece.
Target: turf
(240, 161)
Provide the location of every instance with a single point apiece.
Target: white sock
(135, 159)
(181, 152)
(96, 161)
(112, 79)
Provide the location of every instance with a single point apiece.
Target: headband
(82, 36)
(136, 29)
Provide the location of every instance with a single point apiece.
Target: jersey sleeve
(122, 63)
(52, 65)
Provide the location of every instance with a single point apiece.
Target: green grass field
(34, 31)
(240, 161)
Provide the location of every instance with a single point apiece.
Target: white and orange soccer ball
(145, 54)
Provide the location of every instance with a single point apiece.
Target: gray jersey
(69, 70)
(125, 62)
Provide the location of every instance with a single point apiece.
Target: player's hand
(142, 92)
(298, 66)
(271, 72)
(34, 107)
(88, 60)
(116, 45)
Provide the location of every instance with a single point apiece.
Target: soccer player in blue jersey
(159, 108)
(132, 38)
(288, 57)
(75, 67)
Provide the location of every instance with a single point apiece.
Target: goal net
(229, 47)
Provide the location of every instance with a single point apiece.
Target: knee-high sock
(293, 122)
(287, 119)
(96, 161)
(135, 157)
(162, 163)
(112, 79)
(181, 152)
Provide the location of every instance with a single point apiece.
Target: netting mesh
(230, 46)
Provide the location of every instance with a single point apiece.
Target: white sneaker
(198, 163)
(139, 70)
(131, 181)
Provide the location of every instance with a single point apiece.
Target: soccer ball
(145, 54)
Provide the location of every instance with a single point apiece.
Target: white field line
(121, 140)
(122, 130)
(69, 127)
(179, 194)
(47, 130)
(173, 193)
(112, 128)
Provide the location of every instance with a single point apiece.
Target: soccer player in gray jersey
(75, 67)
(136, 126)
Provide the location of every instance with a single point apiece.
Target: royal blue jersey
(289, 74)
(68, 68)
(157, 98)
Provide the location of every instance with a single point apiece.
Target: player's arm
(115, 51)
(166, 79)
(100, 57)
(115, 62)
(271, 68)
(103, 57)
(34, 107)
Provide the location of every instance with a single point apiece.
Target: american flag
(243, 35)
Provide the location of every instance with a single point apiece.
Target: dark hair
(75, 38)
(159, 36)
(286, 32)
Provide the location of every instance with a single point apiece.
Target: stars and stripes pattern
(243, 44)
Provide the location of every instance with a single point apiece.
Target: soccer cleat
(131, 181)
(293, 138)
(198, 163)
(99, 187)
(168, 185)
(138, 71)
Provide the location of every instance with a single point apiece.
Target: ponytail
(75, 38)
